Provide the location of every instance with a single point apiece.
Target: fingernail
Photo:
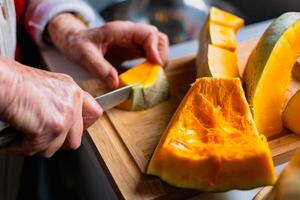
(110, 82)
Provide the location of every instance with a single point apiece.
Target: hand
(102, 48)
(49, 108)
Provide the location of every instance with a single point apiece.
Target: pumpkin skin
(154, 86)
(216, 56)
(268, 72)
(211, 142)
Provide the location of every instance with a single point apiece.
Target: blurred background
(181, 20)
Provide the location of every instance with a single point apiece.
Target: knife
(115, 97)
(107, 101)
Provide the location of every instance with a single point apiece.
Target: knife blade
(115, 97)
(108, 100)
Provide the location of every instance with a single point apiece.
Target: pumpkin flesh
(268, 72)
(287, 185)
(152, 90)
(216, 56)
(211, 143)
(223, 18)
(222, 61)
(222, 36)
(290, 116)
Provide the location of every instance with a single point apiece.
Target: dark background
(258, 10)
(182, 20)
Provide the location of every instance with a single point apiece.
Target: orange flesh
(222, 62)
(290, 116)
(145, 73)
(223, 18)
(222, 36)
(218, 41)
(212, 137)
(269, 96)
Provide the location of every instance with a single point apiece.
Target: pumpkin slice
(268, 72)
(222, 36)
(296, 69)
(216, 55)
(153, 89)
(211, 142)
(223, 18)
(287, 186)
(220, 63)
(290, 116)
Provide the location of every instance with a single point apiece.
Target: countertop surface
(57, 63)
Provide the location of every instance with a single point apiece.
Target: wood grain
(263, 193)
(125, 141)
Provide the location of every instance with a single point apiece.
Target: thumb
(91, 110)
(93, 60)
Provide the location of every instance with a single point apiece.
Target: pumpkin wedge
(211, 142)
(287, 185)
(268, 72)
(222, 36)
(220, 62)
(296, 69)
(218, 16)
(216, 56)
(154, 86)
(290, 116)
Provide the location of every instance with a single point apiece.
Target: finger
(147, 36)
(91, 110)
(73, 139)
(151, 49)
(21, 148)
(30, 146)
(93, 60)
(54, 146)
(163, 48)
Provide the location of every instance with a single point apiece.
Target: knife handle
(8, 136)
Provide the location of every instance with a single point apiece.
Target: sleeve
(40, 12)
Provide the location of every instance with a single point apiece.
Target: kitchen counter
(96, 180)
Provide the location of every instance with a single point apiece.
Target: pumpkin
(290, 116)
(217, 49)
(211, 142)
(218, 16)
(154, 87)
(288, 183)
(222, 61)
(222, 36)
(296, 70)
(268, 72)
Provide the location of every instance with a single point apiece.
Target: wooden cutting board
(124, 141)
